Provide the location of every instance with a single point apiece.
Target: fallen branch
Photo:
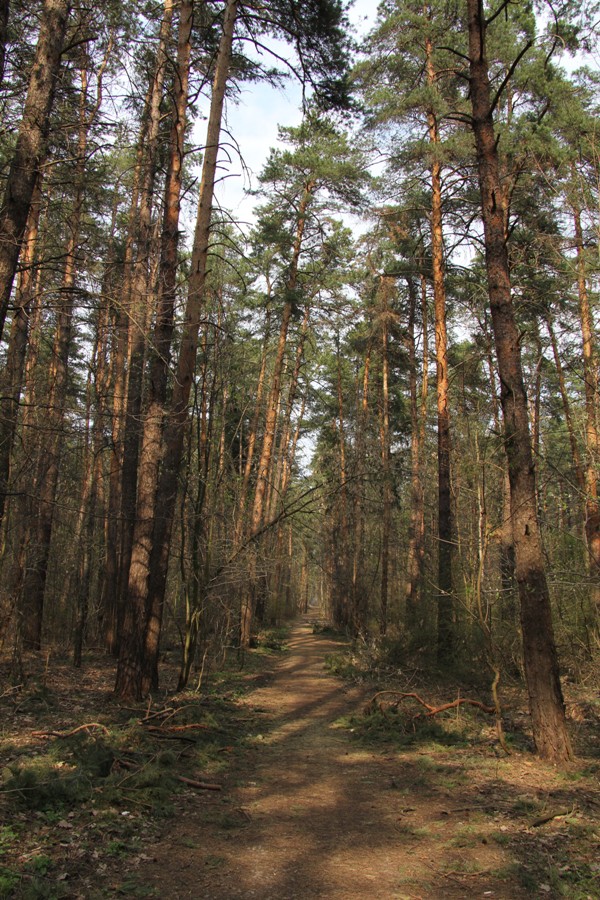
(66, 734)
(548, 818)
(170, 729)
(199, 785)
(191, 782)
(431, 710)
(169, 711)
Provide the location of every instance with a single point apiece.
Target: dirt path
(307, 814)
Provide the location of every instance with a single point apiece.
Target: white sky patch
(254, 121)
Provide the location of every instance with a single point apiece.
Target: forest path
(307, 813)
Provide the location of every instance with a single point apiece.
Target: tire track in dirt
(308, 814)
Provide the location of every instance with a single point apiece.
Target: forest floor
(315, 799)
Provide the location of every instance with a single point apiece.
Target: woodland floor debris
(317, 799)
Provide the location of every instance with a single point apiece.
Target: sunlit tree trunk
(445, 640)
(264, 463)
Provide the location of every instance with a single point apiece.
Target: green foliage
(9, 882)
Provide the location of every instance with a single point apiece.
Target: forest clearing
(304, 795)
(375, 396)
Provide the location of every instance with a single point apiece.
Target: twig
(158, 714)
(199, 785)
(65, 734)
(169, 729)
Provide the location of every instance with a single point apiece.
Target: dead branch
(156, 715)
(199, 785)
(171, 729)
(191, 782)
(431, 710)
(548, 818)
(66, 734)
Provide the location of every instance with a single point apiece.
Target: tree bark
(539, 651)
(11, 378)
(264, 463)
(4, 15)
(592, 440)
(31, 146)
(445, 636)
(386, 523)
(138, 310)
(138, 645)
(151, 449)
(416, 542)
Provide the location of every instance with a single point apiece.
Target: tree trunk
(539, 650)
(416, 548)
(386, 523)
(139, 643)
(575, 454)
(445, 637)
(264, 463)
(31, 145)
(359, 590)
(592, 440)
(138, 311)
(4, 14)
(11, 379)
(51, 450)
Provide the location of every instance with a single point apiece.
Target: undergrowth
(75, 805)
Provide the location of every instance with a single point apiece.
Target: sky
(254, 120)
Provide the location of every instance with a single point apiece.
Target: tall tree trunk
(138, 308)
(445, 638)
(31, 146)
(539, 651)
(416, 542)
(11, 378)
(592, 439)
(264, 463)
(359, 596)
(51, 451)
(564, 395)
(253, 432)
(4, 15)
(139, 642)
(386, 523)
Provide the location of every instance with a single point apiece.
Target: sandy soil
(306, 813)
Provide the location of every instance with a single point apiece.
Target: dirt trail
(307, 814)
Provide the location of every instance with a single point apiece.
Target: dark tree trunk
(139, 644)
(539, 651)
(139, 310)
(4, 14)
(31, 145)
(416, 548)
(11, 379)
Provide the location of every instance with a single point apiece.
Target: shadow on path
(311, 815)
